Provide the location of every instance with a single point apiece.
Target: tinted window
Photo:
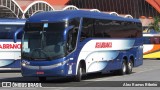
(72, 34)
(151, 40)
(99, 28)
(75, 22)
(44, 43)
(87, 28)
(7, 31)
(116, 29)
(72, 39)
(33, 26)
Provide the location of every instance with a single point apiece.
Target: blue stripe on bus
(9, 63)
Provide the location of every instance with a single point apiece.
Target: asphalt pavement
(147, 74)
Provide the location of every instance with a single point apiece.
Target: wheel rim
(124, 68)
(80, 71)
(130, 65)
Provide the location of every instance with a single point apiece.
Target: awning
(155, 4)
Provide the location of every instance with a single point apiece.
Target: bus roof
(68, 14)
(12, 21)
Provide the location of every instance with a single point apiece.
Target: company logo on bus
(103, 45)
(10, 46)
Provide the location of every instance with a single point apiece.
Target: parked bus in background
(75, 43)
(10, 52)
(151, 45)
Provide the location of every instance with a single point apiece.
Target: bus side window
(72, 39)
(146, 40)
(87, 28)
(155, 40)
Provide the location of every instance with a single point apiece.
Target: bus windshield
(43, 41)
(7, 31)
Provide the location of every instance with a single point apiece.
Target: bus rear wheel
(129, 67)
(123, 70)
(42, 79)
(78, 77)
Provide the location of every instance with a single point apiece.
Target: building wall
(136, 8)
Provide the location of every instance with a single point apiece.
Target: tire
(123, 70)
(78, 77)
(129, 67)
(42, 79)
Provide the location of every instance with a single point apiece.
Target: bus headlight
(60, 64)
(24, 64)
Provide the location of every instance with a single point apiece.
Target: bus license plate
(39, 72)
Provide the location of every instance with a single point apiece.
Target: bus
(75, 43)
(10, 52)
(151, 45)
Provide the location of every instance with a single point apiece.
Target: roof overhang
(155, 4)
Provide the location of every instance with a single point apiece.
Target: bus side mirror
(16, 34)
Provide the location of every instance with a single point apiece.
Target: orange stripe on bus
(155, 48)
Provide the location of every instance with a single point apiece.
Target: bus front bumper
(55, 70)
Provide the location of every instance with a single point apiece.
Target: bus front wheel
(78, 77)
